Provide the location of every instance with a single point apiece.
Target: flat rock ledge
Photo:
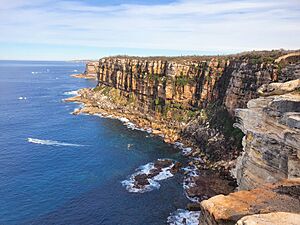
(238, 207)
(277, 218)
(85, 76)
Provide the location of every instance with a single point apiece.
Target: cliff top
(260, 56)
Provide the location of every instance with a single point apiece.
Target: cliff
(272, 137)
(194, 98)
(91, 70)
(271, 154)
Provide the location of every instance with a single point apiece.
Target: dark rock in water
(154, 172)
(176, 167)
(147, 176)
(208, 184)
(163, 163)
(193, 207)
(141, 180)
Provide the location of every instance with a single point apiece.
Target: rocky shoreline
(196, 184)
(191, 105)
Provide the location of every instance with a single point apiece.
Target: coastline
(202, 179)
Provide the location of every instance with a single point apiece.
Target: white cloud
(183, 25)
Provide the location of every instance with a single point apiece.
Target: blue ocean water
(78, 183)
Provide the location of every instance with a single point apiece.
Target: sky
(90, 29)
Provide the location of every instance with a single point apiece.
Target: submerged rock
(147, 176)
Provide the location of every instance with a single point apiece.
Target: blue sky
(74, 29)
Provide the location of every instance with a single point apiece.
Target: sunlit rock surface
(282, 197)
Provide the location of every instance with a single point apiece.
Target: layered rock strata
(272, 136)
(269, 167)
(191, 99)
(196, 96)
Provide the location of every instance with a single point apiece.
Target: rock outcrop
(269, 167)
(277, 218)
(272, 136)
(226, 210)
(91, 70)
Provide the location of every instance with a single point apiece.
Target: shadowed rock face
(272, 137)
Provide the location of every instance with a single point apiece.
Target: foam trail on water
(50, 142)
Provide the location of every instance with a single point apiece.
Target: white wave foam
(181, 216)
(124, 120)
(71, 93)
(184, 150)
(35, 72)
(75, 70)
(22, 98)
(131, 125)
(189, 181)
(165, 173)
(50, 142)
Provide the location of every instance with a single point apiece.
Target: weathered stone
(225, 210)
(277, 218)
(272, 140)
(279, 88)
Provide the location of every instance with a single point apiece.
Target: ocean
(58, 168)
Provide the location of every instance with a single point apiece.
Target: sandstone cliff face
(91, 68)
(189, 83)
(272, 136)
(197, 95)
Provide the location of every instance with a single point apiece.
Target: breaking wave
(146, 169)
(186, 151)
(189, 180)
(50, 142)
(71, 93)
(181, 216)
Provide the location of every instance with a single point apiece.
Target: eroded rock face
(272, 137)
(282, 197)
